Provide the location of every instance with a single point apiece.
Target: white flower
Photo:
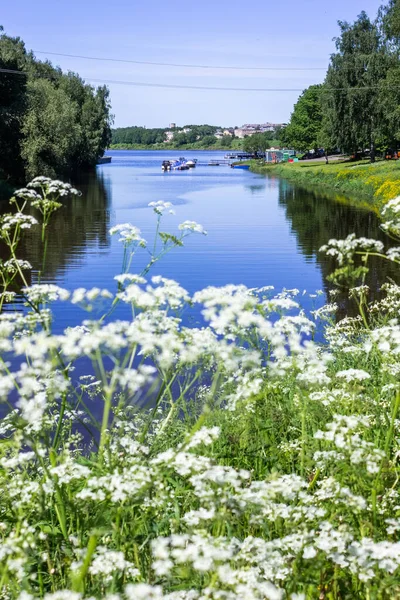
(130, 235)
(160, 206)
(45, 292)
(192, 226)
(351, 375)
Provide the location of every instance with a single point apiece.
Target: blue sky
(261, 33)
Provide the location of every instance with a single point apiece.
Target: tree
(50, 122)
(13, 102)
(304, 129)
(208, 140)
(389, 19)
(51, 130)
(256, 143)
(351, 102)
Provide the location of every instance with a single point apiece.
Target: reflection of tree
(254, 188)
(82, 222)
(317, 217)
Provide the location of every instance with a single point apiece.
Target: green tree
(389, 19)
(208, 140)
(50, 122)
(353, 114)
(13, 102)
(304, 129)
(256, 143)
(51, 130)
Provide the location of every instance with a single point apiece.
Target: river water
(261, 231)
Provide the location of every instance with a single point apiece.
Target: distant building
(172, 125)
(169, 136)
(252, 128)
(228, 131)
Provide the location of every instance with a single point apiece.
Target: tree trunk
(372, 154)
(326, 158)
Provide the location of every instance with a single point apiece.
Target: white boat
(191, 163)
(179, 165)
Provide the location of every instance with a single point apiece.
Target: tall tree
(51, 130)
(13, 101)
(304, 129)
(352, 111)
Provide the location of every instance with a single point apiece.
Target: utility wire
(204, 87)
(166, 64)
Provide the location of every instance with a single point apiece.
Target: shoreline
(367, 185)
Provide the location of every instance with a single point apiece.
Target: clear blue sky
(273, 33)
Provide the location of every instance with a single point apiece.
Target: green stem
(78, 582)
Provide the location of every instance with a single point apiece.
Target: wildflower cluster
(235, 460)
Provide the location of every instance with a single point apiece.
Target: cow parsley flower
(351, 375)
(129, 235)
(192, 226)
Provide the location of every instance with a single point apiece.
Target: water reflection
(82, 223)
(262, 231)
(316, 217)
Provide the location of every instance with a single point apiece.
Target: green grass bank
(373, 184)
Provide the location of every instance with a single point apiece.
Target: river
(261, 231)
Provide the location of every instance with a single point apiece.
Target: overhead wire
(171, 64)
(202, 87)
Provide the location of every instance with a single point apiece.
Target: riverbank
(374, 184)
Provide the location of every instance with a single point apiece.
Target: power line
(204, 87)
(167, 64)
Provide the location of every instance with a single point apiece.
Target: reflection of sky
(249, 240)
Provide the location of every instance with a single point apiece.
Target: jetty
(103, 160)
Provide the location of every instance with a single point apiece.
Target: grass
(371, 184)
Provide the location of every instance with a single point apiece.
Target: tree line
(357, 107)
(193, 136)
(51, 123)
(189, 134)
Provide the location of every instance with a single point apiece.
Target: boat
(179, 165)
(166, 165)
(191, 163)
(246, 167)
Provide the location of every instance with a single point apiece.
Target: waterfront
(261, 231)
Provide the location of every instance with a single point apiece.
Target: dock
(104, 160)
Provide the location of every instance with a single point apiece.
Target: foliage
(352, 105)
(149, 137)
(50, 122)
(264, 468)
(256, 143)
(304, 129)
